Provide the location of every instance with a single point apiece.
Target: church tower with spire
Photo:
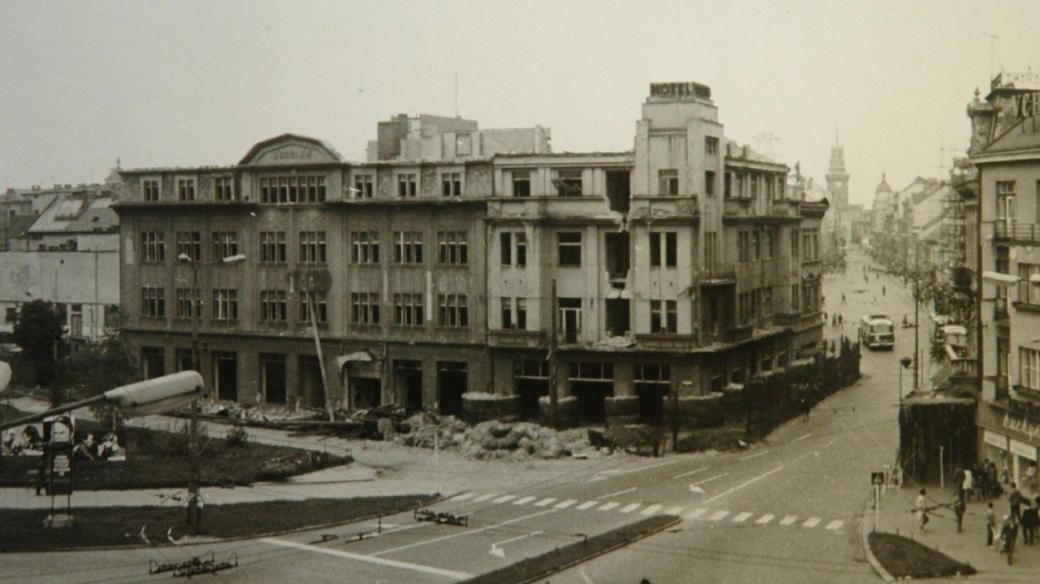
(838, 177)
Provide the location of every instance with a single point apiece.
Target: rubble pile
(491, 440)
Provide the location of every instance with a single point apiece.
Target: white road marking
(594, 479)
(608, 506)
(462, 533)
(524, 500)
(835, 525)
(802, 437)
(765, 519)
(755, 455)
(565, 504)
(370, 559)
(696, 513)
(463, 496)
(617, 472)
(504, 498)
(629, 508)
(677, 510)
(827, 445)
(742, 485)
(483, 498)
(811, 522)
(651, 510)
(545, 501)
(741, 517)
(584, 576)
(588, 504)
(788, 520)
(718, 515)
(688, 473)
(708, 480)
(612, 495)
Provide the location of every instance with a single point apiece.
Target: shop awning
(356, 356)
(998, 277)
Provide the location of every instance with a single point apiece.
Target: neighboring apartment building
(682, 265)
(66, 252)
(1006, 152)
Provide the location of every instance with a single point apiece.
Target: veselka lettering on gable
(680, 90)
(292, 154)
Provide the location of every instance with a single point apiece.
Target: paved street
(785, 510)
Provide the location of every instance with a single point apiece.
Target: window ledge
(1027, 306)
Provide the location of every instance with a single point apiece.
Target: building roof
(883, 186)
(261, 145)
(1021, 137)
(76, 213)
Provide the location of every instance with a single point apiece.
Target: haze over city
(191, 83)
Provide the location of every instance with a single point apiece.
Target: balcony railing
(1021, 232)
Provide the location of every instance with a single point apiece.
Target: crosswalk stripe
(788, 520)
(524, 500)
(677, 510)
(696, 513)
(718, 515)
(811, 522)
(565, 504)
(483, 498)
(629, 508)
(463, 496)
(545, 501)
(835, 525)
(588, 505)
(741, 517)
(765, 519)
(608, 506)
(504, 498)
(651, 510)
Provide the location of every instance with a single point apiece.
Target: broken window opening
(619, 190)
(618, 320)
(617, 254)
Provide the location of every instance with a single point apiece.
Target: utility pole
(553, 393)
(193, 421)
(311, 306)
(917, 323)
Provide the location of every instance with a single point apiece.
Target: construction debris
(492, 440)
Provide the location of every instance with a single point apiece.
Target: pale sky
(192, 83)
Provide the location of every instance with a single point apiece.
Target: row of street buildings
(464, 269)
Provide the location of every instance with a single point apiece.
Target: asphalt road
(783, 511)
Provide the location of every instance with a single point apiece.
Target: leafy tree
(95, 369)
(38, 331)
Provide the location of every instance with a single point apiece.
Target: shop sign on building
(994, 439)
(1030, 430)
(1024, 450)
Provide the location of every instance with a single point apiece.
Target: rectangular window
(767, 245)
(225, 244)
(663, 254)
(225, 304)
(364, 307)
(186, 189)
(521, 314)
(291, 189)
(274, 306)
(364, 247)
(1029, 368)
(569, 248)
(451, 184)
(668, 182)
(521, 183)
(320, 303)
(364, 186)
(407, 185)
(514, 313)
(794, 298)
(664, 316)
(153, 302)
(756, 251)
(794, 243)
(223, 188)
(186, 305)
(753, 182)
(312, 247)
(452, 310)
(153, 247)
(189, 243)
(452, 248)
(711, 250)
(150, 190)
(1028, 291)
(570, 318)
(408, 309)
(507, 313)
(709, 183)
(505, 247)
(463, 144)
(513, 247)
(743, 246)
(767, 301)
(272, 247)
(408, 247)
(568, 182)
(711, 145)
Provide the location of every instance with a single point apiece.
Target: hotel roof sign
(679, 90)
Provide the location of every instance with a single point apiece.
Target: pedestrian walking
(991, 523)
(968, 485)
(1015, 503)
(841, 320)
(1029, 521)
(1008, 535)
(882, 290)
(843, 298)
(921, 507)
(958, 510)
(804, 403)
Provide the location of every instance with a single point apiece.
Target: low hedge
(906, 558)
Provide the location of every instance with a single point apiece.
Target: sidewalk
(969, 546)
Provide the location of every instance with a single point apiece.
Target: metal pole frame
(193, 421)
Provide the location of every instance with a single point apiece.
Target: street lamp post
(193, 421)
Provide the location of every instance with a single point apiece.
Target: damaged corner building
(433, 274)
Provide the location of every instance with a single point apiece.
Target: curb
(865, 535)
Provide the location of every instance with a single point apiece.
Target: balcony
(1028, 393)
(1000, 308)
(797, 318)
(740, 333)
(719, 276)
(1028, 233)
(516, 338)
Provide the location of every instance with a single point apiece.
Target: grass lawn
(538, 567)
(159, 460)
(23, 530)
(903, 557)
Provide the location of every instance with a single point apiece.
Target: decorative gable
(290, 150)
